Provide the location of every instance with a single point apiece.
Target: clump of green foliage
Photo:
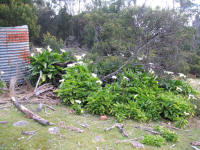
(133, 94)
(52, 41)
(168, 135)
(153, 140)
(78, 84)
(181, 122)
(43, 61)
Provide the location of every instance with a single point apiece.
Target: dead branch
(28, 132)
(70, 127)
(63, 64)
(2, 107)
(195, 143)
(130, 58)
(36, 86)
(3, 103)
(148, 130)
(120, 128)
(50, 107)
(29, 113)
(3, 122)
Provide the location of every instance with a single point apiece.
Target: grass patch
(89, 139)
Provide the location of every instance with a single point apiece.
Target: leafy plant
(78, 84)
(168, 135)
(43, 61)
(153, 140)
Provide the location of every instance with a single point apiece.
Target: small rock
(137, 145)
(104, 117)
(53, 130)
(20, 123)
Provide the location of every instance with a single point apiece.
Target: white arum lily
(62, 50)
(78, 101)
(62, 80)
(32, 54)
(49, 49)
(71, 65)
(125, 78)
(191, 96)
(179, 89)
(80, 63)
(168, 72)
(78, 57)
(182, 75)
(187, 114)
(114, 77)
(151, 71)
(39, 50)
(94, 75)
(99, 81)
(2, 72)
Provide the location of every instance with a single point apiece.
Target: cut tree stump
(29, 113)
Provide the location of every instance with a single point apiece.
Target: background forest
(114, 29)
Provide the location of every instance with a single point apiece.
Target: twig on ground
(2, 107)
(29, 132)
(120, 128)
(194, 147)
(29, 113)
(36, 86)
(148, 130)
(50, 107)
(195, 143)
(3, 122)
(31, 136)
(61, 124)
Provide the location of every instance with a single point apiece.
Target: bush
(78, 84)
(43, 61)
(50, 40)
(168, 135)
(134, 94)
(153, 140)
(176, 86)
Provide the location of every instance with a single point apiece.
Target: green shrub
(153, 140)
(50, 40)
(168, 135)
(174, 106)
(78, 84)
(101, 102)
(43, 61)
(176, 86)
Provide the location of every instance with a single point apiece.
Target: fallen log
(120, 128)
(29, 113)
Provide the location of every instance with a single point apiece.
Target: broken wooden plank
(29, 113)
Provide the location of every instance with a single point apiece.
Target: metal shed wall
(14, 52)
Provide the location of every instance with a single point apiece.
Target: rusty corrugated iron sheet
(14, 52)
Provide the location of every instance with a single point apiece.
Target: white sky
(161, 3)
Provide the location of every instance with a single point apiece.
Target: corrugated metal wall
(14, 52)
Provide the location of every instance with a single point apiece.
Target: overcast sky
(161, 3)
